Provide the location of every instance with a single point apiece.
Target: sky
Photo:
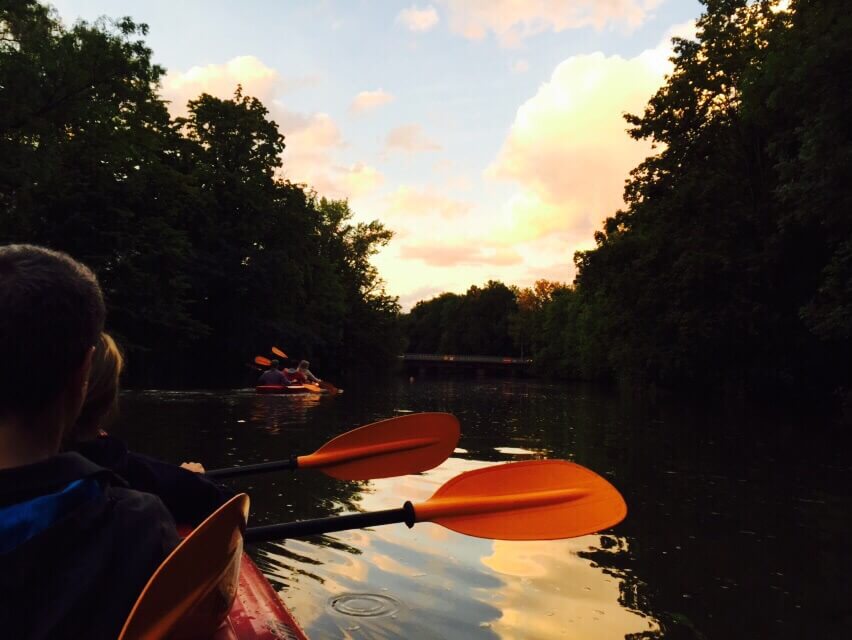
(488, 135)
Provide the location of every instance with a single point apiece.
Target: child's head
(304, 364)
(51, 314)
(101, 401)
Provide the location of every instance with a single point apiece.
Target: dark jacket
(188, 496)
(272, 377)
(76, 549)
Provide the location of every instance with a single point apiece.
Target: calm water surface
(737, 526)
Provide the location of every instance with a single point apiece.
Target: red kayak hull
(258, 612)
(280, 389)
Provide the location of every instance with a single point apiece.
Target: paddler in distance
(302, 374)
(273, 376)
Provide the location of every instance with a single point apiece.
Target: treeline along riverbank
(730, 265)
(205, 255)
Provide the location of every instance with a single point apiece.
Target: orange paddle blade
(313, 388)
(263, 362)
(395, 447)
(531, 500)
(190, 594)
(329, 387)
(279, 353)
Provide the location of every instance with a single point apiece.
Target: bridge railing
(449, 358)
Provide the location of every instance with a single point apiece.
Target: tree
(366, 318)
(86, 164)
(476, 323)
(205, 255)
(684, 279)
(526, 325)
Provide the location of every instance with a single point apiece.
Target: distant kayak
(281, 389)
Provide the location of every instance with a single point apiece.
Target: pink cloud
(415, 19)
(410, 138)
(511, 21)
(408, 201)
(452, 256)
(369, 100)
(568, 148)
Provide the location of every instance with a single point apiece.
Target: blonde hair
(101, 403)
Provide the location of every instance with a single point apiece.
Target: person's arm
(190, 497)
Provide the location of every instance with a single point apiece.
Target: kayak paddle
(263, 362)
(328, 387)
(280, 353)
(191, 592)
(531, 500)
(395, 447)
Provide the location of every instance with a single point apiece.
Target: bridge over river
(421, 364)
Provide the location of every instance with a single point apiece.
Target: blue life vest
(23, 521)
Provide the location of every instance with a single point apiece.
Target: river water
(737, 527)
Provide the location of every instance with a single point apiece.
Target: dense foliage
(732, 261)
(474, 323)
(206, 256)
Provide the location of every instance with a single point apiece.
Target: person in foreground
(76, 545)
(188, 496)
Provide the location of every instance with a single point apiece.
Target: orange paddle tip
(530, 500)
(395, 447)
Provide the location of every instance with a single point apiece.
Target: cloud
(369, 100)
(312, 143)
(409, 299)
(361, 178)
(312, 139)
(520, 66)
(221, 80)
(411, 202)
(460, 255)
(511, 21)
(416, 19)
(568, 149)
(556, 272)
(333, 180)
(411, 139)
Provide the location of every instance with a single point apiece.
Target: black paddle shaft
(328, 525)
(260, 467)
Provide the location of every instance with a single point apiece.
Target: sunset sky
(487, 134)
